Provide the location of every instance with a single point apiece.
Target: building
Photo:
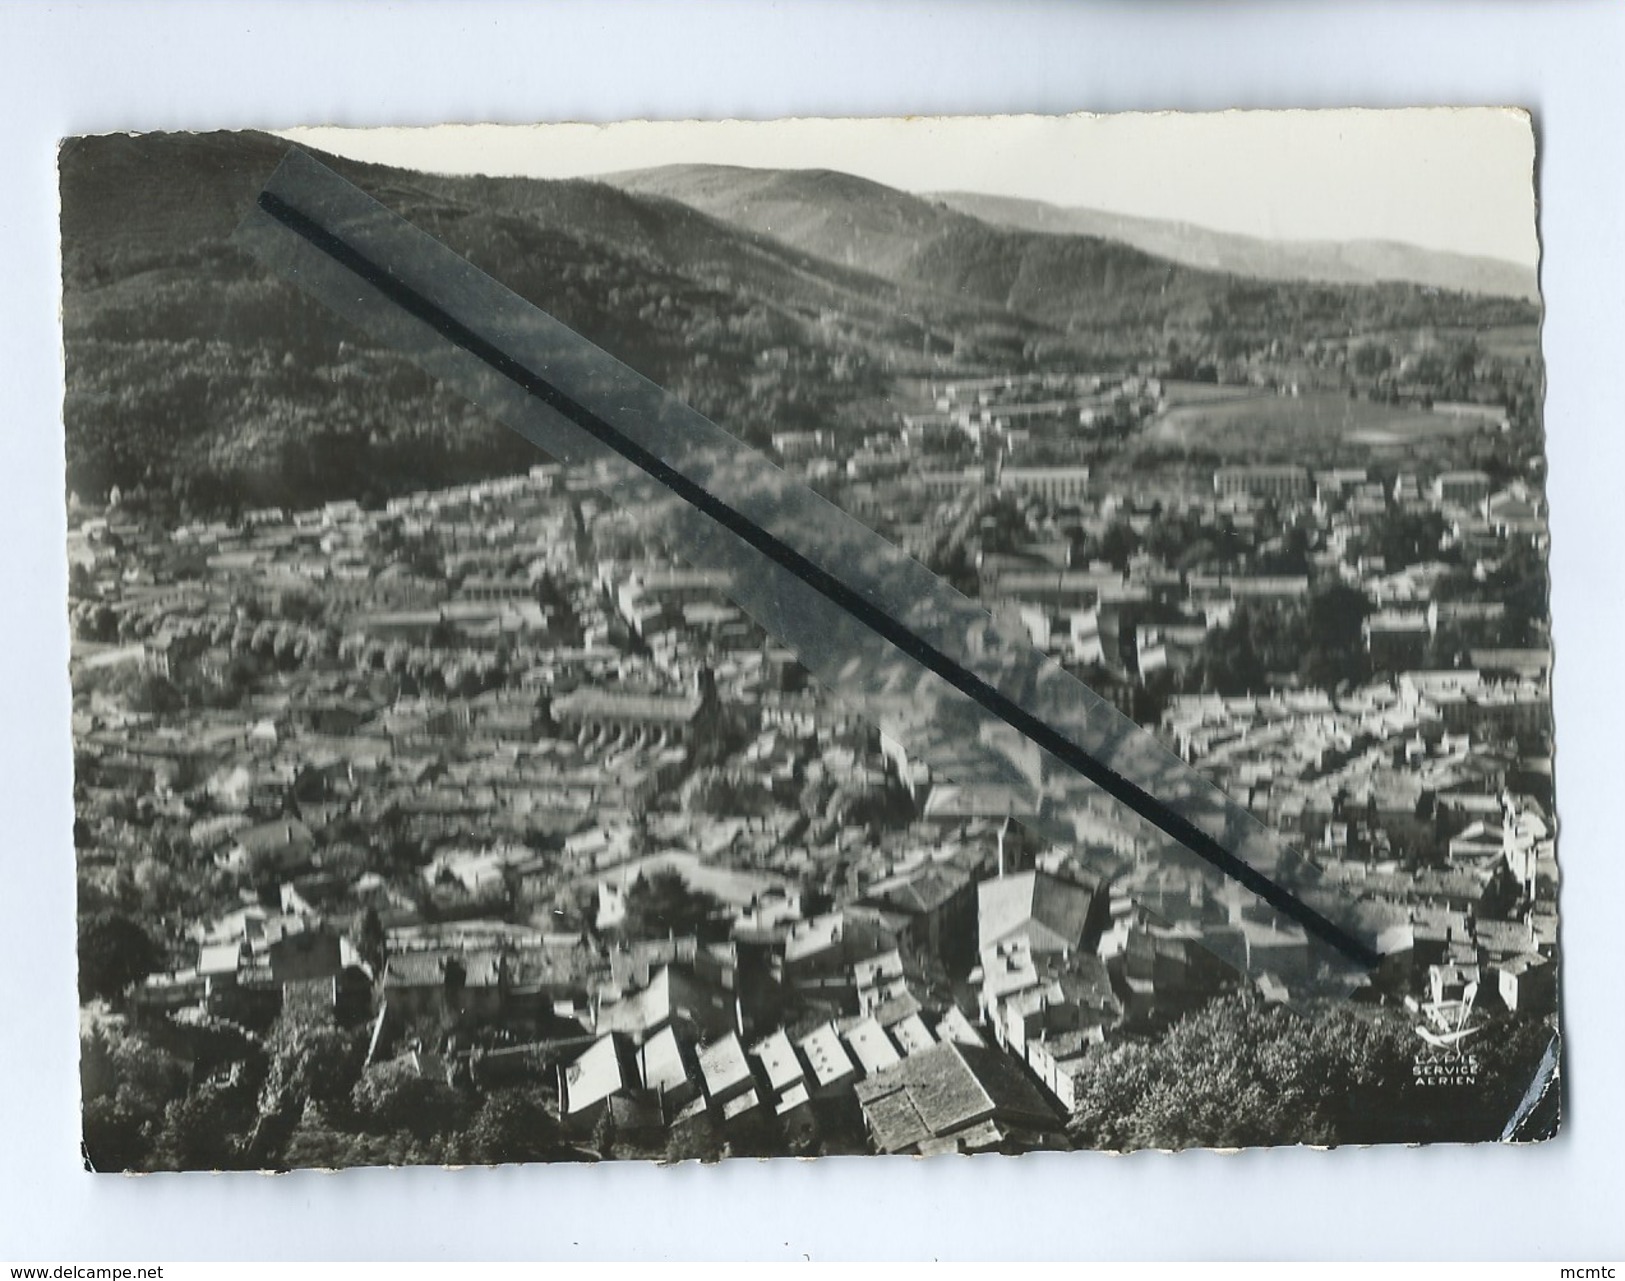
(950, 484)
(1527, 982)
(279, 848)
(307, 954)
(1496, 712)
(939, 901)
(799, 446)
(675, 997)
(952, 1097)
(1050, 914)
(444, 984)
(830, 1068)
(1396, 640)
(608, 714)
(1277, 483)
(781, 1070)
(168, 653)
(586, 1085)
(1461, 488)
(871, 1048)
(666, 1067)
(730, 1086)
(1054, 483)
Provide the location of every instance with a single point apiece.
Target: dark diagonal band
(820, 580)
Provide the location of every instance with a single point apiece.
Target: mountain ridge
(775, 201)
(1365, 260)
(193, 371)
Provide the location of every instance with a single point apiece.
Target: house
(665, 1066)
(675, 997)
(830, 1068)
(820, 955)
(1479, 844)
(586, 1085)
(1054, 483)
(870, 1046)
(1052, 915)
(781, 1071)
(308, 954)
(879, 979)
(168, 653)
(727, 1078)
(313, 894)
(1026, 998)
(1527, 982)
(1060, 1061)
(277, 848)
(559, 976)
(938, 900)
(954, 1026)
(1461, 488)
(1162, 965)
(952, 1097)
(910, 1034)
(217, 966)
(444, 984)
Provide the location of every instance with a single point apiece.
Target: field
(1508, 342)
(1176, 394)
(1270, 425)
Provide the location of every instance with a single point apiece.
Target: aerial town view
(429, 808)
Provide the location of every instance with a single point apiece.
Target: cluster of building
(432, 757)
(1147, 615)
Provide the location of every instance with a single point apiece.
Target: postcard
(669, 641)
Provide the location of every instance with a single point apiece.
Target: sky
(1459, 179)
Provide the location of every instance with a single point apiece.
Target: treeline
(1240, 1073)
(295, 1097)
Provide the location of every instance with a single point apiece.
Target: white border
(98, 67)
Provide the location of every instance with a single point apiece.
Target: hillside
(1353, 262)
(768, 300)
(193, 373)
(1083, 282)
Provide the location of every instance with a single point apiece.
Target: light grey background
(102, 67)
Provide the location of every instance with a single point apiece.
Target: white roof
(871, 1047)
(825, 1055)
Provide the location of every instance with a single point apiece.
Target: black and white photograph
(824, 637)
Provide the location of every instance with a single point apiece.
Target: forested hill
(195, 375)
(201, 383)
(1079, 281)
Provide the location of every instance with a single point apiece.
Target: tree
(1404, 538)
(517, 1125)
(372, 943)
(1335, 649)
(312, 1061)
(694, 1138)
(1239, 1073)
(127, 1084)
(395, 1097)
(199, 1132)
(1118, 542)
(1230, 664)
(114, 952)
(724, 792)
(114, 1138)
(663, 904)
(154, 694)
(1371, 359)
